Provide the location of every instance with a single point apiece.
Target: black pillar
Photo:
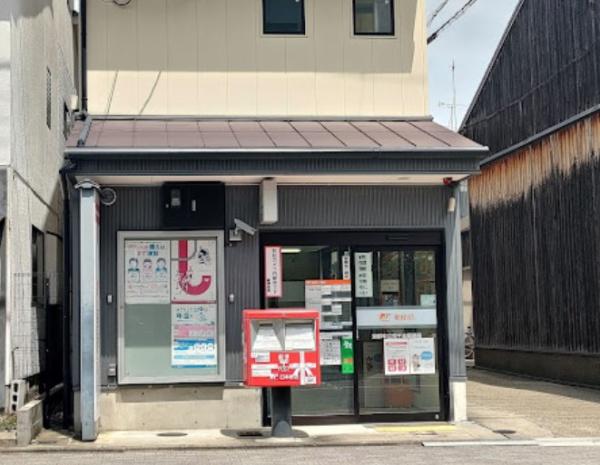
(281, 412)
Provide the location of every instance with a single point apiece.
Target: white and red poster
(396, 356)
(194, 271)
(273, 272)
(409, 356)
(147, 272)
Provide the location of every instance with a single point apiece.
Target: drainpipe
(83, 53)
(66, 298)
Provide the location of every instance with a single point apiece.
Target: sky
(471, 42)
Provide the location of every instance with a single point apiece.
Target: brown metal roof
(225, 134)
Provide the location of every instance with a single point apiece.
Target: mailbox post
(281, 351)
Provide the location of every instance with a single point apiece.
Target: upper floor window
(374, 17)
(283, 17)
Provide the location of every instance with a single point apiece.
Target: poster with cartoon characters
(193, 335)
(147, 272)
(194, 271)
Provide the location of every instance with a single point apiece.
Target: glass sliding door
(381, 336)
(396, 315)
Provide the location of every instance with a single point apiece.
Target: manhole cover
(249, 434)
(171, 434)
(505, 431)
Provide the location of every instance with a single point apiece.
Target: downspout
(66, 298)
(83, 52)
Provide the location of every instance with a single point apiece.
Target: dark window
(48, 98)
(37, 267)
(374, 17)
(283, 16)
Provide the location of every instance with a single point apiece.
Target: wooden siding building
(535, 209)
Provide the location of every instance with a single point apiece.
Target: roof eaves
(100, 153)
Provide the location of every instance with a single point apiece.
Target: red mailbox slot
(281, 348)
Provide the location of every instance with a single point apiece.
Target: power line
(437, 11)
(454, 17)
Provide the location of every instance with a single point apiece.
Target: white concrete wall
(5, 44)
(40, 38)
(210, 58)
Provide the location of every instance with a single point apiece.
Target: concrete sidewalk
(311, 436)
(503, 409)
(532, 408)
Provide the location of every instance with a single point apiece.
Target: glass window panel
(335, 395)
(283, 16)
(374, 17)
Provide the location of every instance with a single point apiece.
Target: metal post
(89, 309)
(281, 412)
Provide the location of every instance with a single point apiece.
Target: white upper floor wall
(211, 58)
(37, 80)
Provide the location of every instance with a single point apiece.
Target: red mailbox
(281, 348)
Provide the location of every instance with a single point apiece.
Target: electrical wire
(453, 18)
(437, 11)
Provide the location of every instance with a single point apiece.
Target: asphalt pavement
(405, 455)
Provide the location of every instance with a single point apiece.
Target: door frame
(355, 240)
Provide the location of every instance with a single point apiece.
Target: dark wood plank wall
(535, 226)
(547, 71)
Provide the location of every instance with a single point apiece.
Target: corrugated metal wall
(301, 208)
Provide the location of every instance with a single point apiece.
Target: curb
(540, 442)
(282, 445)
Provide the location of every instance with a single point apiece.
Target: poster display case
(171, 322)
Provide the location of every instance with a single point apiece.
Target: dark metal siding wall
(301, 208)
(361, 207)
(242, 272)
(547, 71)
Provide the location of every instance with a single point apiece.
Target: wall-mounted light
(452, 204)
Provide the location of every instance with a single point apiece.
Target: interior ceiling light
(122, 2)
(291, 250)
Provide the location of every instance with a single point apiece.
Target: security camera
(235, 234)
(239, 224)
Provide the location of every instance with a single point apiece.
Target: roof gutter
(89, 153)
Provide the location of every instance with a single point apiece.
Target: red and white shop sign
(273, 272)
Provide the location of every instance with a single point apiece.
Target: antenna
(454, 105)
